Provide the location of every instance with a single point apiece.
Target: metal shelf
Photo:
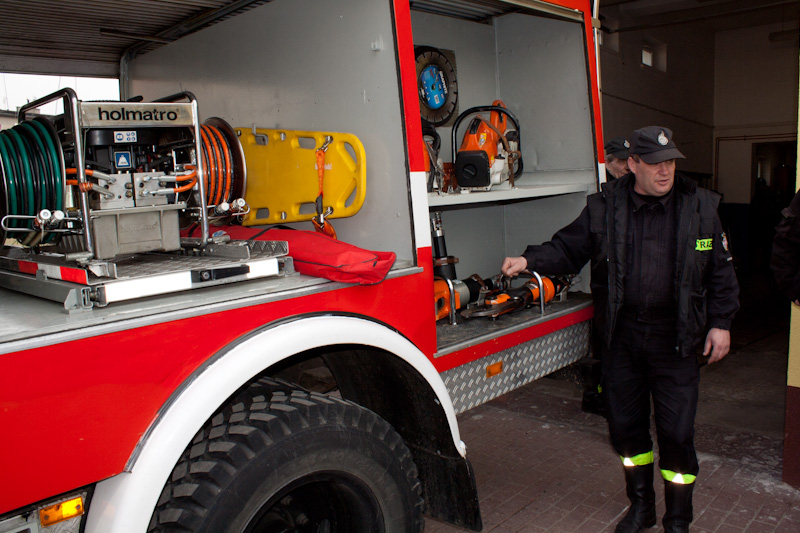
(528, 185)
(478, 330)
(131, 277)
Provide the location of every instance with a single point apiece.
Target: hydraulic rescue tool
(443, 264)
(476, 296)
(96, 200)
(507, 299)
(117, 177)
(451, 295)
(490, 151)
(492, 297)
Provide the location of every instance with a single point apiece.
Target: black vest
(696, 217)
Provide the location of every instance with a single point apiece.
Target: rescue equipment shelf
(528, 185)
(99, 283)
(475, 331)
(38, 318)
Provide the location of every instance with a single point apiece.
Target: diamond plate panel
(469, 386)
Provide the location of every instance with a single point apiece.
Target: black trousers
(642, 362)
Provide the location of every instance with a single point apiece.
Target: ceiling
(88, 37)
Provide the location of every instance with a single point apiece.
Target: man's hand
(718, 344)
(513, 266)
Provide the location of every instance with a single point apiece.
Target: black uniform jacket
(706, 290)
(786, 251)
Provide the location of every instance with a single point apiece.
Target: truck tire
(277, 458)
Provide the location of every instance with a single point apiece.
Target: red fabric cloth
(315, 254)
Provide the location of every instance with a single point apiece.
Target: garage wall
(680, 97)
(721, 93)
(755, 101)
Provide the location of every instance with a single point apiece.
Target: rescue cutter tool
(506, 299)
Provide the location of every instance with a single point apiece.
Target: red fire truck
(182, 351)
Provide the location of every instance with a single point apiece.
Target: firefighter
(616, 158)
(663, 286)
(616, 151)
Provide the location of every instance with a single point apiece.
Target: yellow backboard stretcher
(282, 181)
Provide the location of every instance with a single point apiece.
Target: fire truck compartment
(292, 65)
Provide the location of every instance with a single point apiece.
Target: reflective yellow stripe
(674, 477)
(638, 460)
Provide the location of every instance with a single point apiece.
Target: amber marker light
(61, 511)
(494, 369)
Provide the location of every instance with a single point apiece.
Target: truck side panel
(94, 398)
(117, 502)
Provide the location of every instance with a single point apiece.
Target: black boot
(590, 376)
(592, 403)
(642, 513)
(678, 498)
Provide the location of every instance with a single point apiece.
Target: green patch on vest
(704, 245)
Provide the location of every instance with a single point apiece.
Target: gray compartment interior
(537, 66)
(310, 65)
(304, 65)
(332, 66)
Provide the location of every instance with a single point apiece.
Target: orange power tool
(502, 301)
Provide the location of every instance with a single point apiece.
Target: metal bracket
(74, 297)
(453, 320)
(541, 290)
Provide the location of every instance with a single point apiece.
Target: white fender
(124, 503)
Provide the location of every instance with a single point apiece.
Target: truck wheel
(277, 458)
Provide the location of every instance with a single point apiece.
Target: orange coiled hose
(227, 167)
(213, 176)
(219, 164)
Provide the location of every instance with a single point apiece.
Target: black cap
(654, 144)
(618, 147)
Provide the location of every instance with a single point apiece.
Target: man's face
(617, 167)
(653, 180)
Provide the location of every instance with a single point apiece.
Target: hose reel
(111, 178)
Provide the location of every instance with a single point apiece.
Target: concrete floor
(543, 465)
